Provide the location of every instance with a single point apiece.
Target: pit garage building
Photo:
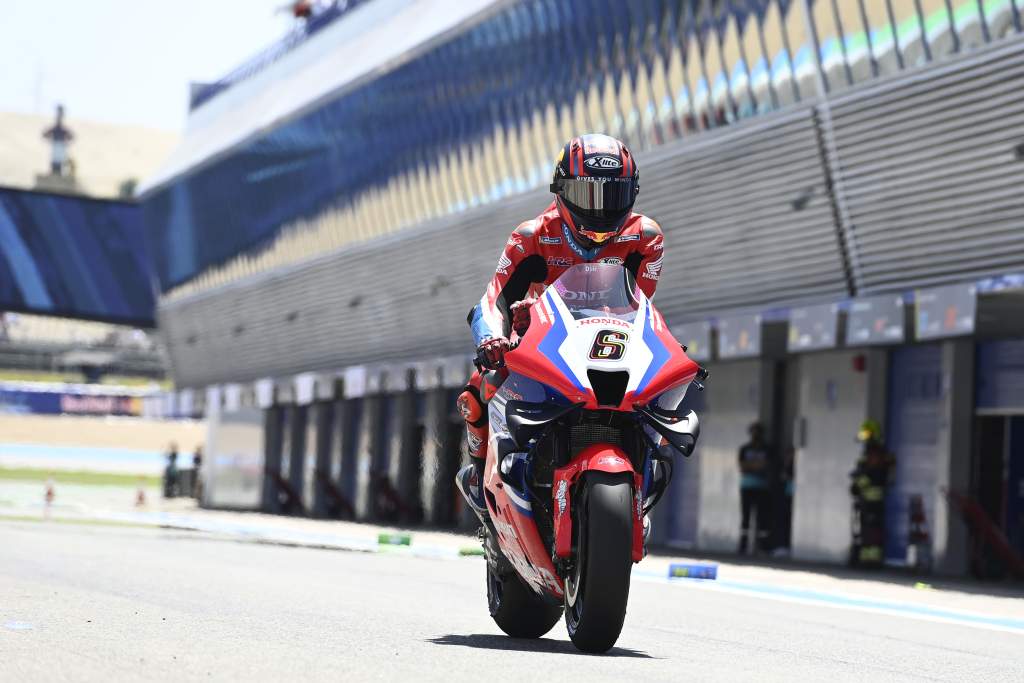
(840, 189)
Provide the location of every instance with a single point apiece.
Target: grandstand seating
(32, 329)
(478, 117)
(30, 342)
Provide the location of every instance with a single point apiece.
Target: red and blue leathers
(536, 254)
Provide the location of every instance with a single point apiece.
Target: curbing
(400, 543)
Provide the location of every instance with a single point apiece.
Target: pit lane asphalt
(82, 603)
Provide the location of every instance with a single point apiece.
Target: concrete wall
(233, 462)
(949, 533)
(349, 423)
(327, 458)
(367, 449)
(733, 399)
(309, 445)
(832, 404)
(442, 456)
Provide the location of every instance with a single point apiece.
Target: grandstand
(654, 71)
(75, 291)
(333, 211)
(44, 346)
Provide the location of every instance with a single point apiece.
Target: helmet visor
(601, 200)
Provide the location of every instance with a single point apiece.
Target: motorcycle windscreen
(634, 360)
(599, 290)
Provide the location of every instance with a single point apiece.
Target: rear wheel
(516, 609)
(597, 590)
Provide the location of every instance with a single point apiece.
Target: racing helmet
(595, 184)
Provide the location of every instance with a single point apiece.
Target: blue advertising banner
(66, 400)
(74, 257)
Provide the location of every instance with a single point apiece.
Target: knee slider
(471, 408)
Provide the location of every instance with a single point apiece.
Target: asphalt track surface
(84, 603)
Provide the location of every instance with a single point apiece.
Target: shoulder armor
(528, 229)
(649, 228)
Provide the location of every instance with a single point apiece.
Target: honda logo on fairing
(602, 162)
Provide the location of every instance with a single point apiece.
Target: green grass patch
(77, 477)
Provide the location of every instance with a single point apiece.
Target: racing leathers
(536, 254)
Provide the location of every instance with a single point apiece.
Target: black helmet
(596, 182)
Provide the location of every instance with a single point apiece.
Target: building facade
(840, 192)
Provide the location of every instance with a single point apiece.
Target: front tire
(516, 609)
(598, 589)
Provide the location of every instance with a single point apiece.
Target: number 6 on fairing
(609, 345)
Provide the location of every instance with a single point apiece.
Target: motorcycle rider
(591, 220)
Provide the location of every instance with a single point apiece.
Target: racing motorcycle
(582, 431)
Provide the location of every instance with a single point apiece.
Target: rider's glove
(521, 315)
(491, 353)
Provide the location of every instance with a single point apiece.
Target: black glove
(491, 353)
(521, 316)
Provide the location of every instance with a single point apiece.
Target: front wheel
(516, 609)
(597, 590)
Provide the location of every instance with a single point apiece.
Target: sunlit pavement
(91, 602)
(997, 606)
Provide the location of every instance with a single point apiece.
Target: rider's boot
(470, 481)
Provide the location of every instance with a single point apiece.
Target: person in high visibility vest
(868, 484)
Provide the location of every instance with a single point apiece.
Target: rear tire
(598, 589)
(516, 609)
